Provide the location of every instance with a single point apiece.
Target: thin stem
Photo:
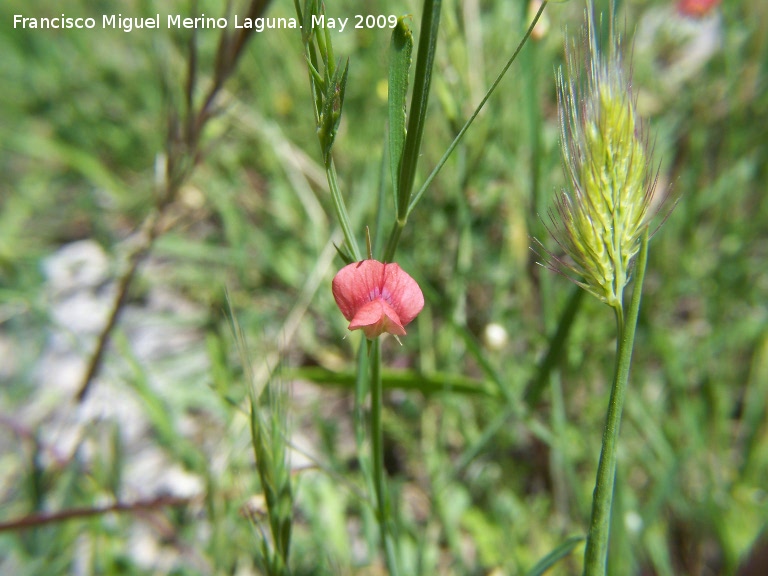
(596, 553)
(182, 158)
(150, 230)
(416, 197)
(536, 387)
(377, 449)
(399, 224)
(341, 209)
(430, 24)
(394, 238)
(42, 518)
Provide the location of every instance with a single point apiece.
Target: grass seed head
(599, 218)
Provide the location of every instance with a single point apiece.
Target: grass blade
(555, 556)
(430, 24)
(400, 50)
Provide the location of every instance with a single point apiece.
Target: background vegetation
(485, 483)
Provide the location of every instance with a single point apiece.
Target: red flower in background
(696, 8)
(377, 297)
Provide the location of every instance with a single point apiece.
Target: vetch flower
(696, 8)
(377, 297)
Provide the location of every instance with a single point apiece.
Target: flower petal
(402, 292)
(357, 284)
(377, 297)
(377, 317)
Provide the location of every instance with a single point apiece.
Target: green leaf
(400, 50)
(428, 33)
(402, 380)
(535, 388)
(331, 113)
(343, 253)
(468, 123)
(555, 556)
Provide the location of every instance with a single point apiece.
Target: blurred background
(150, 469)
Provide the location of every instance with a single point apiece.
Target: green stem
(341, 209)
(544, 370)
(394, 238)
(430, 24)
(596, 553)
(422, 80)
(416, 197)
(377, 449)
(399, 224)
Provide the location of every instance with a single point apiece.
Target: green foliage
(400, 50)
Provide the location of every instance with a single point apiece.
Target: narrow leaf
(401, 380)
(331, 114)
(536, 387)
(555, 556)
(343, 253)
(430, 24)
(468, 123)
(400, 50)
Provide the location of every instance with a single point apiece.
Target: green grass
(478, 481)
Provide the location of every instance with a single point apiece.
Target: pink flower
(377, 297)
(696, 8)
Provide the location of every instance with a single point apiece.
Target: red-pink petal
(375, 318)
(406, 296)
(696, 8)
(377, 297)
(354, 285)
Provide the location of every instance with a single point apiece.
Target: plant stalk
(377, 449)
(417, 196)
(596, 553)
(341, 210)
